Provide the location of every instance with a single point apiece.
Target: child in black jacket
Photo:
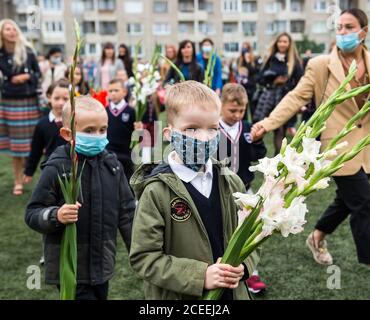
(46, 137)
(235, 141)
(105, 205)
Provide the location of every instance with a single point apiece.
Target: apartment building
(228, 22)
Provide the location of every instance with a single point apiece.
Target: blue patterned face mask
(193, 152)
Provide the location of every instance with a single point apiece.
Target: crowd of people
(179, 197)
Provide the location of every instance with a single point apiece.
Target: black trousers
(352, 198)
(89, 292)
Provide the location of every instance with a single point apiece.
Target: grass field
(286, 264)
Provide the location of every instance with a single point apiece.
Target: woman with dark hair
(203, 59)
(280, 73)
(107, 67)
(187, 63)
(125, 56)
(19, 112)
(246, 73)
(81, 86)
(322, 77)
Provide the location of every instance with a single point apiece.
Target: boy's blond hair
(189, 94)
(81, 103)
(234, 93)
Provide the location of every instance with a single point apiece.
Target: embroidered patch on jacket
(180, 210)
(125, 117)
(248, 137)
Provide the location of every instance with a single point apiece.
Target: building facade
(228, 22)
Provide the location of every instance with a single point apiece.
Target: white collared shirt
(202, 181)
(119, 106)
(51, 116)
(232, 131)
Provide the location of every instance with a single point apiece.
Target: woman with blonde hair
(281, 71)
(19, 110)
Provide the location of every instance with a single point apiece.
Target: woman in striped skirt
(19, 111)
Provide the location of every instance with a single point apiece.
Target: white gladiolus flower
(322, 184)
(311, 149)
(293, 161)
(242, 215)
(293, 218)
(267, 166)
(246, 200)
(140, 68)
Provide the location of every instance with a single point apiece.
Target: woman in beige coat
(323, 75)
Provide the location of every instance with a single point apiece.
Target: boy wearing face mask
(186, 213)
(203, 59)
(105, 204)
(121, 119)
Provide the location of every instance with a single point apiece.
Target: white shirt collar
(51, 116)
(185, 173)
(118, 106)
(228, 128)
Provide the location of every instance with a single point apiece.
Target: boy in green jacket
(186, 212)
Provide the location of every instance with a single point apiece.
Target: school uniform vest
(211, 214)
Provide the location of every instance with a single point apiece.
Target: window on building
(206, 6)
(161, 29)
(249, 6)
(160, 6)
(134, 28)
(320, 5)
(275, 6)
(88, 5)
(297, 26)
(276, 27)
(296, 5)
(53, 5)
(186, 27)
(230, 6)
(107, 5)
(230, 27)
(206, 28)
(108, 27)
(249, 28)
(90, 48)
(186, 5)
(231, 47)
(88, 27)
(54, 26)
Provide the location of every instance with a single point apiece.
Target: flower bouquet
(145, 81)
(297, 171)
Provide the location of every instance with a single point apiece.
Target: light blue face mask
(207, 49)
(90, 144)
(348, 42)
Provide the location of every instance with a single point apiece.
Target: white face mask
(56, 60)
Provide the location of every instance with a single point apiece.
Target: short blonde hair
(189, 94)
(81, 103)
(234, 93)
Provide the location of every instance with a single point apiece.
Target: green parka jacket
(170, 248)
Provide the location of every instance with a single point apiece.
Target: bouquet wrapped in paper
(297, 171)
